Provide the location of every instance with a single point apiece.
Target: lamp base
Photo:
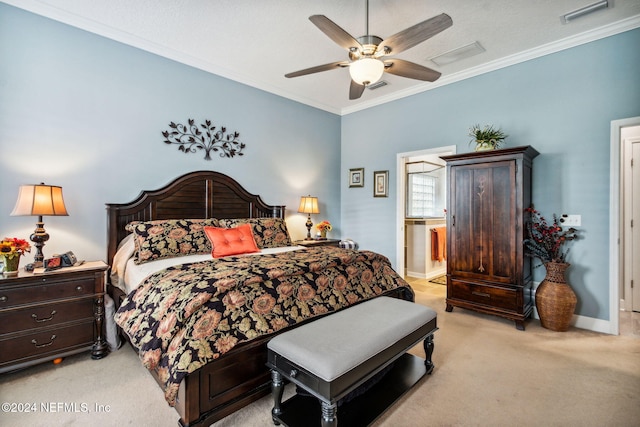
(309, 224)
(38, 238)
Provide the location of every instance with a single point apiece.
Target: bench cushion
(333, 345)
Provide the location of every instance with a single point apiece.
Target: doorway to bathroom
(420, 213)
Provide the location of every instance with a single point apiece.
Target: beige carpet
(487, 374)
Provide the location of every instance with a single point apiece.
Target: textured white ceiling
(256, 42)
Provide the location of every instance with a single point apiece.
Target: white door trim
(401, 159)
(614, 220)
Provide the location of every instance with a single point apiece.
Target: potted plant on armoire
(549, 243)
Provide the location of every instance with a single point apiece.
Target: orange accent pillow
(231, 241)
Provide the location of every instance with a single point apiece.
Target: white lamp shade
(39, 200)
(366, 71)
(308, 205)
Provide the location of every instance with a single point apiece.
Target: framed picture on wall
(381, 184)
(356, 177)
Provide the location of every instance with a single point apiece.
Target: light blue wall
(86, 113)
(561, 104)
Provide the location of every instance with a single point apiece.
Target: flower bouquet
(11, 249)
(323, 227)
(547, 241)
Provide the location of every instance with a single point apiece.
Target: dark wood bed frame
(240, 376)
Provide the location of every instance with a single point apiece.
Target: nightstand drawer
(47, 289)
(46, 315)
(37, 344)
(484, 294)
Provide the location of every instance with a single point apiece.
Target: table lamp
(39, 200)
(308, 205)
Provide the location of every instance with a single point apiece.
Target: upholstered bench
(353, 363)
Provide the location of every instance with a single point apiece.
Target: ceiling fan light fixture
(366, 71)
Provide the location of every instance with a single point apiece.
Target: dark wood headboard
(202, 194)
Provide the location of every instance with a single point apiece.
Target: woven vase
(555, 300)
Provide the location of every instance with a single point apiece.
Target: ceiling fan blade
(355, 90)
(402, 68)
(335, 32)
(318, 68)
(416, 34)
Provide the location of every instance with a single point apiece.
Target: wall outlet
(571, 220)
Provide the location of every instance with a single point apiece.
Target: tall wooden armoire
(486, 267)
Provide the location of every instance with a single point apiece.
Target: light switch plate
(571, 220)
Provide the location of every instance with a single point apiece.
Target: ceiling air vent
(454, 55)
(377, 85)
(579, 13)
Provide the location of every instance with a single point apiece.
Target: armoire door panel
(503, 220)
(483, 205)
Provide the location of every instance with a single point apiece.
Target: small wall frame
(381, 184)
(356, 177)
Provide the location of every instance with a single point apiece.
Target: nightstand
(50, 315)
(314, 243)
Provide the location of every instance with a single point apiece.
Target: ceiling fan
(367, 54)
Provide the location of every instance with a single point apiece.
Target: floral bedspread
(185, 316)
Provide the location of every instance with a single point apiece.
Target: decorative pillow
(268, 232)
(231, 241)
(169, 238)
(126, 249)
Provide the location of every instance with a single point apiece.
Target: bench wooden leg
(277, 389)
(428, 350)
(329, 418)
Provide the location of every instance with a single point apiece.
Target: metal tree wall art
(192, 137)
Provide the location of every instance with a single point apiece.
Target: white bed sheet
(134, 273)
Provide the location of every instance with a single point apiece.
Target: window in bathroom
(424, 195)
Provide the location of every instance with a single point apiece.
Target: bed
(227, 378)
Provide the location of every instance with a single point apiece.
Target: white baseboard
(416, 274)
(582, 322)
(436, 273)
(423, 275)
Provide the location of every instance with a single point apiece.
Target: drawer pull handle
(3, 298)
(481, 294)
(293, 373)
(46, 319)
(34, 342)
(79, 288)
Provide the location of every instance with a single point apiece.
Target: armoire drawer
(493, 296)
(46, 315)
